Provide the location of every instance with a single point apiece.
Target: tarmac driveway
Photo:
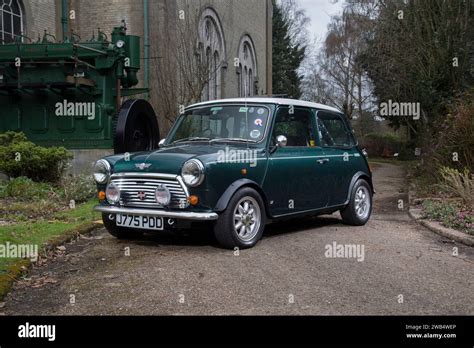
(405, 269)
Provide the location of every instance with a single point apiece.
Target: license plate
(137, 221)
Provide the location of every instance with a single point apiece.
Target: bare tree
(336, 76)
(191, 64)
(297, 20)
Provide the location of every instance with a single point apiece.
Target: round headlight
(101, 171)
(193, 172)
(112, 193)
(162, 195)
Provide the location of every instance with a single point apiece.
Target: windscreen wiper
(232, 139)
(190, 139)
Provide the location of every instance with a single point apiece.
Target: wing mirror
(281, 141)
(162, 141)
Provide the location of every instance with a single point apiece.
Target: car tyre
(359, 209)
(117, 231)
(241, 225)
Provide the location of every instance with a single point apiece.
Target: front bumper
(184, 215)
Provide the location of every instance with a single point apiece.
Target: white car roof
(278, 101)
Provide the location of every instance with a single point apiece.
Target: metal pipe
(64, 21)
(90, 49)
(146, 48)
(118, 98)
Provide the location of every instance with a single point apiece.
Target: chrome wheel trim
(247, 218)
(362, 202)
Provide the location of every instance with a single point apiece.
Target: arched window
(239, 81)
(212, 45)
(208, 69)
(248, 68)
(251, 86)
(215, 80)
(11, 20)
(246, 82)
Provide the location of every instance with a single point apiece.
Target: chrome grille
(131, 187)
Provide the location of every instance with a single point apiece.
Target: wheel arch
(225, 198)
(357, 176)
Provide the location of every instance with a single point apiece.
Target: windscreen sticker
(255, 134)
(242, 109)
(258, 122)
(251, 110)
(261, 111)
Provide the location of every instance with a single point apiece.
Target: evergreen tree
(287, 57)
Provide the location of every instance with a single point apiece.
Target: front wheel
(242, 223)
(359, 209)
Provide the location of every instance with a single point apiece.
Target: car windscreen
(235, 122)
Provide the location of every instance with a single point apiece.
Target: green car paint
(291, 180)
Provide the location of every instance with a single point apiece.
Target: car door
(338, 145)
(293, 182)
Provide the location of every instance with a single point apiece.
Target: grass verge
(46, 233)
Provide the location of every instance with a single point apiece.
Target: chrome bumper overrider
(153, 212)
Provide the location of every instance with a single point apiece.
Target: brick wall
(41, 15)
(239, 18)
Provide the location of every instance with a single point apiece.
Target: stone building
(230, 38)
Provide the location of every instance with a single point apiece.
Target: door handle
(323, 160)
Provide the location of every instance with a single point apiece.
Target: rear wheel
(242, 223)
(359, 209)
(117, 231)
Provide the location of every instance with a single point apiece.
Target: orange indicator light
(193, 200)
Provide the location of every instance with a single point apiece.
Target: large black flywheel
(136, 128)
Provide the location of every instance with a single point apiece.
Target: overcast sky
(320, 12)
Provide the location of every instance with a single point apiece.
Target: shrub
(449, 214)
(453, 143)
(79, 188)
(20, 157)
(25, 189)
(12, 137)
(460, 184)
(382, 144)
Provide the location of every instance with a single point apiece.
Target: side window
(333, 131)
(297, 127)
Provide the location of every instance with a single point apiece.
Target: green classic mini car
(238, 164)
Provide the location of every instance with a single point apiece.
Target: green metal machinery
(70, 93)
